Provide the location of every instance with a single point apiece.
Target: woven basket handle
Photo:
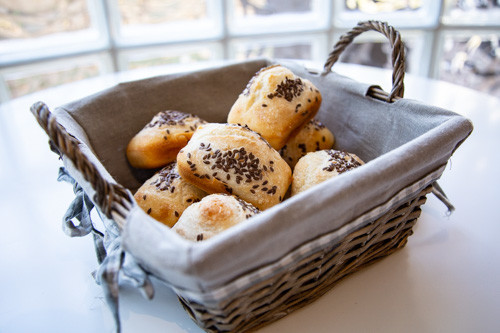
(112, 199)
(398, 56)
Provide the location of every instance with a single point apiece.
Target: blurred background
(45, 43)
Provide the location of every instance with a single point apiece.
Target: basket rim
(258, 275)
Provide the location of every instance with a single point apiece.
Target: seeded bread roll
(276, 104)
(166, 195)
(319, 166)
(212, 215)
(312, 137)
(161, 139)
(232, 159)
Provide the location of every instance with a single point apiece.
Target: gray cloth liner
(401, 142)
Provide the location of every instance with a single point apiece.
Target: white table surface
(447, 279)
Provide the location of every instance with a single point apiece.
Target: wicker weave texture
(113, 199)
(311, 277)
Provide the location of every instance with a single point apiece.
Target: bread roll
(212, 215)
(276, 104)
(312, 137)
(319, 166)
(161, 139)
(166, 195)
(232, 159)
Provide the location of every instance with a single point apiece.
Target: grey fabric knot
(130, 272)
(80, 209)
(439, 193)
(115, 265)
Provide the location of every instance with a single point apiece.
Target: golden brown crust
(166, 195)
(212, 215)
(232, 159)
(158, 143)
(319, 166)
(276, 104)
(312, 137)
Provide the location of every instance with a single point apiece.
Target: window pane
(269, 16)
(484, 12)
(290, 51)
(411, 13)
(306, 47)
(158, 11)
(38, 29)
(154, 21)
(160, 56)
(375, 7)
(23, 80)
(373, 49)
(270, 7)
(374, 54)
(29, 19)
(472, 60)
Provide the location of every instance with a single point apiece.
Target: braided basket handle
(112, 199)
(398, 56)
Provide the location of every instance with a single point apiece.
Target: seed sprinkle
(341, 161)
(166, 176)
(171, 118)
(288, 89)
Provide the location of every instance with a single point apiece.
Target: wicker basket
(302, 275)
(311, 277)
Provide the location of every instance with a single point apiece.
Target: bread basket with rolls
(250, 188)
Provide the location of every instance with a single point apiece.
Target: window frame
(122, 36)
(106, 36)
